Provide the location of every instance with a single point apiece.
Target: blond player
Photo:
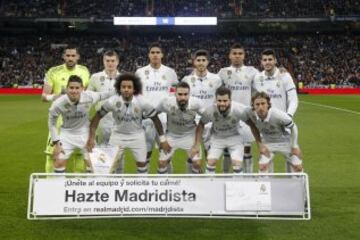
(102, 82)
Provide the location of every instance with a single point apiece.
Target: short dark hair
(221, 91)
(111, 53)
(237, 46)
(182, 85)
(71, 46)
(155, 44)
(260, 95)
(268, 52)
(201, 52)
(128, 77)
(75, 78)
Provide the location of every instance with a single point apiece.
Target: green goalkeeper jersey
(58, 76)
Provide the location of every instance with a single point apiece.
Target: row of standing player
(157, 80)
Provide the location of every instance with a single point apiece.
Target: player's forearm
(94, 124)
(198, 133)
(52, 128)
(106, 95)
(158, 125)
(294, 137)
(254, 131)
(47, 95)
(293, 102)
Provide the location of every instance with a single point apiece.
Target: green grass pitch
(329, 139)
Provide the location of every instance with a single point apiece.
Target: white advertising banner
(156, 195)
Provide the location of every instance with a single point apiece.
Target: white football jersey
(203, 88)
(278, 88)
(273, 127)
(75, 115)
(239, 81)
(180, 123)
(128, 115)
(225, 125)
(101, 82)
(156, 82)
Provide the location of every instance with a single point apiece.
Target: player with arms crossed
(128, 109)
(181, 111)
(225, 116)
(157, 80)
(55, 83)
(272, 124)
(239, 79)
(74, 108)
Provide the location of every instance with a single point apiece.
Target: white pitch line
(331, 107)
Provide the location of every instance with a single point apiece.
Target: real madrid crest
(67, 106)
(163, 77)
(136, 110)
(193, 81)
(262, 81)
(172, 109)
(233, 121)
(229, 72)
(118, 104)
(147, 74)
(102, 79)
(216, 116)
(210, 84)
(278, 84)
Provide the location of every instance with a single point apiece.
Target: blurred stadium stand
(318, 41)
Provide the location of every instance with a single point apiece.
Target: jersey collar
(267, 119)
(274, 76)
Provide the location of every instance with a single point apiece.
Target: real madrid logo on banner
(262, 188)
(102, 157)
(118, 104)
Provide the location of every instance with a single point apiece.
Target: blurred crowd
(219, 8)
(317, 60)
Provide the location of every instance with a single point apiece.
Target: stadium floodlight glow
(165, 21)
